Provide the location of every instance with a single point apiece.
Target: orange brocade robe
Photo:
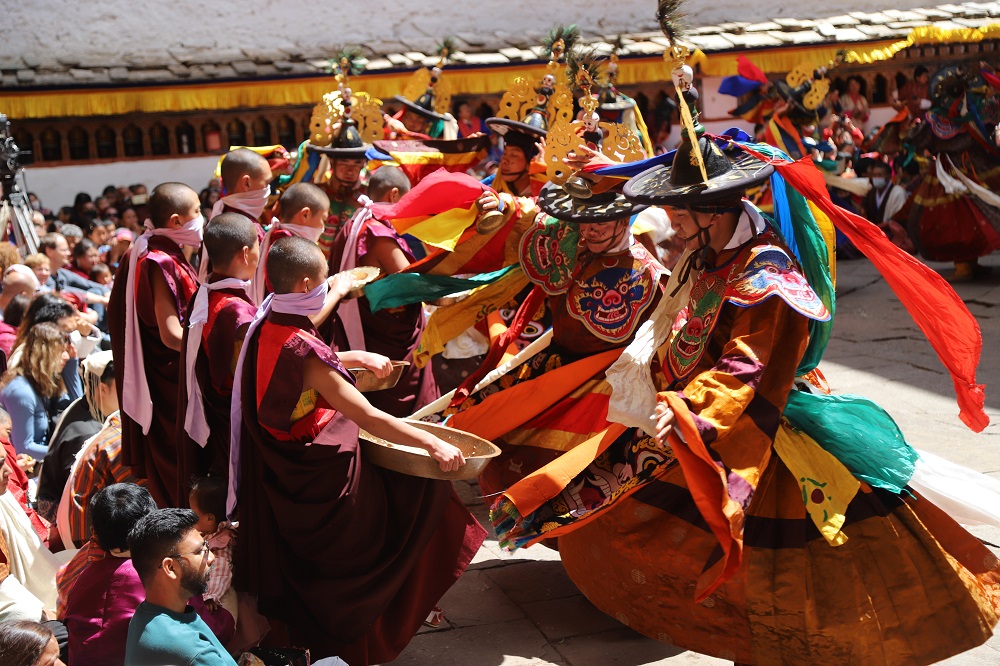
(908, 586)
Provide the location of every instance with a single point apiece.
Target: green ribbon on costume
(401, 289)
(803, 236)
(857, 432)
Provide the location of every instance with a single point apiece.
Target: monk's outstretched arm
(346, 399)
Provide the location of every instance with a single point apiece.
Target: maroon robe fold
(228, 310)
(394, 333)
(351, 557)
(153, 456)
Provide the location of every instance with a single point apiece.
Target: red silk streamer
(748, 70)
(932, 303)
(439, 192)
(521, 318)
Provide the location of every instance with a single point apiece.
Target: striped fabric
(99, 466)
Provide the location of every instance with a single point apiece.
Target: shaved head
(291, 259)
(302, 195)
(384, 179)
(226, 235)
(18, 282)
(243, 162)
(170, 199)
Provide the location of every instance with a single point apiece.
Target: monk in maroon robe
(392, 332)
(161, 288)
(302, 211)
(246, 177)
(220, 314)
(351, 557)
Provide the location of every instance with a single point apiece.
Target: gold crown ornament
(617, 142)
(343, 117)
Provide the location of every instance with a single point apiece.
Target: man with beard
(172, 559)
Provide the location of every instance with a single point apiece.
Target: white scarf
(348, 310)
(250, 203)
(304, 304)
(135, 389)
(258, 285)
(194, 416)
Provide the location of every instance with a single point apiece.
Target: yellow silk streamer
(827, 486)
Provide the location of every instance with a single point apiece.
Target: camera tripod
(15, 213)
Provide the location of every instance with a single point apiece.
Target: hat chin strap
(697, 260)
(615, 240)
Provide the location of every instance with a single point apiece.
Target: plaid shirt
(99, 466)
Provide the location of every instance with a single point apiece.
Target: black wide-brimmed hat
(523, 135)
(422, 106)
(730, 173)
(599, 207)
(347, 144)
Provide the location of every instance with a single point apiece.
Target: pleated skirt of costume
(909, 586)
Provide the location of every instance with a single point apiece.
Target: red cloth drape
(935, 307)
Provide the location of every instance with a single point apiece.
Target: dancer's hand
(665, 421)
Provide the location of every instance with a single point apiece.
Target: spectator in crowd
(65, 215)
(84, 210)
(53, 308)
(107, 591)
(468, 122)
(16, 281)
(28, 643)
(38, 221)
(172, 559)
(41, 267)
(72, 234)
(99, 232)
(110, 192)
(34, 391)
(16, 602)
(82, 420)
(208, 500)
(101, 274)
(36, 204)
(19, 486)
(915, 94)
(57, 250)
(128, 218)
(854, 104)
(9, 255)
(97, 466)
(120, 244)
(14, 313)
(85, 255)
(883, 202)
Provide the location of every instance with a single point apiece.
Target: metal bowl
(416, 462)
(368, 381)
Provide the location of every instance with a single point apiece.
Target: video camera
(12, 158)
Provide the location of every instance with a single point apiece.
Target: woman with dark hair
(26, 643)
(54, 308)
(34, 393)
(85, 255)
(82, 420)
(128, 217)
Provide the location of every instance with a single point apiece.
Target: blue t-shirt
(158, 637)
